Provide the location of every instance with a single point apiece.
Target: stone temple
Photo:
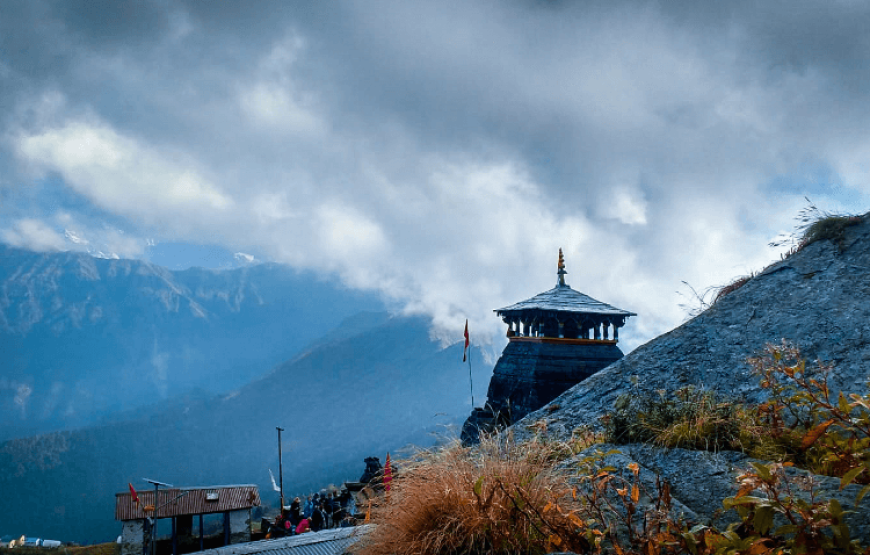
(556, 339)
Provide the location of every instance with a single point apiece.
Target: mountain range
(83, 339)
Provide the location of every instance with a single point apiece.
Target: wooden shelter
(181, 505)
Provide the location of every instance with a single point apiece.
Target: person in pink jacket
(303, 526)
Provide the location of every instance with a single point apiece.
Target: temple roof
(564, 299)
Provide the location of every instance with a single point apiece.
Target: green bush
(690, 417)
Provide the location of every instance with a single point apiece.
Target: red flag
(133, 495)
(388, 474)
(465, 350)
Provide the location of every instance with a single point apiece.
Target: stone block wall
(132, 537)
(240, 526)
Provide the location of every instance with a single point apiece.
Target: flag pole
(470, 380)
(466, 353)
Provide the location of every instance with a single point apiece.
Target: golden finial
(561, 271)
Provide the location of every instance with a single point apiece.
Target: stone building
(181, 505)
(557, 339)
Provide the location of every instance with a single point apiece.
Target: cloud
(441, 153)
(64, 231)
(32, 234)
(118, 173)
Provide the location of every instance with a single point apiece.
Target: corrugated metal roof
(564, 299)
(325, 542)
(199, 500)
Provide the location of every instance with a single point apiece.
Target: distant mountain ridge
(83, 337)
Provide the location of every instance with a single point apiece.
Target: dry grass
(110, 548)
(733, 286)
(690, 417)
(489, 499)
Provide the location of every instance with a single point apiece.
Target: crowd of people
(318, 512)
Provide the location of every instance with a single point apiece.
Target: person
(303, 526)
(337, 513)
(308, 508)
(295, 511)
(278, 530)
(318, 518)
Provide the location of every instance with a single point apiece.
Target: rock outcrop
(818, 298)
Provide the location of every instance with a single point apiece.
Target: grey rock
(818, 298)
(701, 480)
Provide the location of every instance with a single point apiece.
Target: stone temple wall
(530, 374)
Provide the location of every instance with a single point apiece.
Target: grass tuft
(692, 418)
(484, 500)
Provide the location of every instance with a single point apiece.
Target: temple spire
(561, 273)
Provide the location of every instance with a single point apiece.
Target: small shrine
(557, 339)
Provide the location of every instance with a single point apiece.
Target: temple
(557, 339)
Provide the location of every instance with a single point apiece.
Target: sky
(437, 153)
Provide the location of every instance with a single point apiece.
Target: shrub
(691, 417)
(783, 520)
(828, 434)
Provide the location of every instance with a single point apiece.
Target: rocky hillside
(817, 298)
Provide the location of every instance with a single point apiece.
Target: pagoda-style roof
(564, 299)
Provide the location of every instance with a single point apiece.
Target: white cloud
(118, 173)
(274, 100)
(32, 234)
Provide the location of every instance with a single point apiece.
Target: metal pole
(280, 468)
(154, 528)
(156, 507)
(470, 380)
